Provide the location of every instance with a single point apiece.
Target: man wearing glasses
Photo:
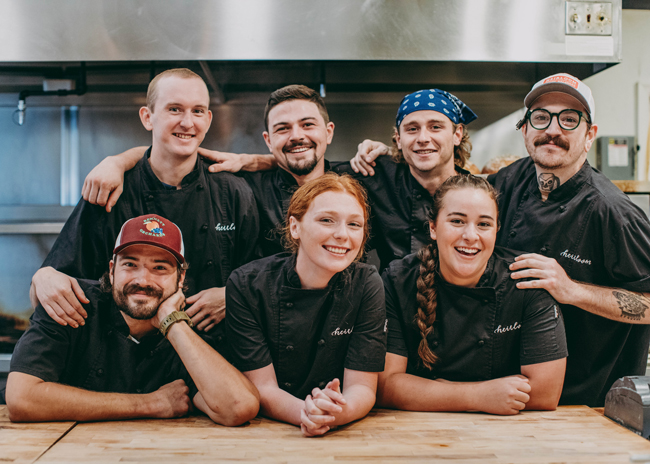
(589, 244)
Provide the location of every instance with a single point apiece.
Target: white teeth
(299, 150)
(184, 136)
(471, 251)
(338, 251)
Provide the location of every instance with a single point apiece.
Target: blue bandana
(435, 100)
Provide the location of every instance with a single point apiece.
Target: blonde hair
(152, 90)
(462, 151)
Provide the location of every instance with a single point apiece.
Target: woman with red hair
(308, 327)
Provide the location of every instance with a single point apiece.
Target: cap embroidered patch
(153, 227)
(563, 79)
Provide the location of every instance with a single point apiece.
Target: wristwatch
(174, 317)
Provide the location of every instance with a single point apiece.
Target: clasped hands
(321, 408)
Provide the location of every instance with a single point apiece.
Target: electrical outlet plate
(588, 18)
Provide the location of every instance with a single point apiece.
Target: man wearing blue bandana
(431, 145)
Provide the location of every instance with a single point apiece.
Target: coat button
(481, 342)
(414, 229)
(562, 208)
(150, 197)
(138, 390)
(418, 196)
(100, 372)
(486, 301)
(322, 385)
(204, 227)
(434, 344)
(290, 305)
(513, 233)
(525, 196)
(543, 250)
(289, 348)
(219, 338)
(287, 384)
(199, 187)
(321, 342)
(209, 263)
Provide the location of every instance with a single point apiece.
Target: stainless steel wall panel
(29, 157)
(465, 30)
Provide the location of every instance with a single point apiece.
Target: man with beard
(217, 212)
(589, 244)
(433, 146)
(137, 355)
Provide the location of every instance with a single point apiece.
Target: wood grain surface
(568, 435)
(24, 443)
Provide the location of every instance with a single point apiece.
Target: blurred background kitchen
(73, 74)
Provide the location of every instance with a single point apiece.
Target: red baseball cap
(564, 83)
(154, 230)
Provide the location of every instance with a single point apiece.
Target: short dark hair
(295, 92)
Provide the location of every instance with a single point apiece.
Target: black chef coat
(399, 206)
(599, 237)
(97, 356)
(309, 335)
(272, 190)
(216, 213)
(480, 333)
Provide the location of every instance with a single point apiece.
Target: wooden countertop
(572, 434)
(633, 186)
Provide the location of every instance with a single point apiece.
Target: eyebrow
(308, 118)
(335, 212)
(482, 216)
(181, 104)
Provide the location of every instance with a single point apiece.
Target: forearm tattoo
(632, 306)
(548, 182)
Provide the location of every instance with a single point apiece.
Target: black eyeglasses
(540, 119)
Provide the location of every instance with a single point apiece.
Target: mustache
(149, 291)
(292, 145)
(557, 140)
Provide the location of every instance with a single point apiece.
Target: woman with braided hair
(461, 336)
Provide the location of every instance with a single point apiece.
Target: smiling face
(180, 117)
(465, 231)
(555, 148)
(330, 236)
(298, 136)
(143, 276)
(427, 140)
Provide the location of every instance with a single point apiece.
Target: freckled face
(330, 234)
(465, 231)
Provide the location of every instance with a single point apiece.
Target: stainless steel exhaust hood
(442, 30)
(488, 52)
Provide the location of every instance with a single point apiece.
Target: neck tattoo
(548, 182)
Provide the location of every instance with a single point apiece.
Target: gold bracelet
(174, 317)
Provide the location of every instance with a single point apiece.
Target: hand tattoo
(548, 182)
(632, 306)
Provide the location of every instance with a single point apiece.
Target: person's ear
(432, 230)
(145, 117)
(294, 228)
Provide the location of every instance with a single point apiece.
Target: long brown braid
(429, 263)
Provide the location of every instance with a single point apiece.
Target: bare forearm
(253, 163)
(128, 159)
(281, 405)
(49, 401)
(359, 401)
(546, 380)
(412, 393)
(613, 303)
(231, 397)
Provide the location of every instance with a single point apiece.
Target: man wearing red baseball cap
(588, 244)
(137, 355)
(217, 213)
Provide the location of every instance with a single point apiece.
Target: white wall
(621, 93)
